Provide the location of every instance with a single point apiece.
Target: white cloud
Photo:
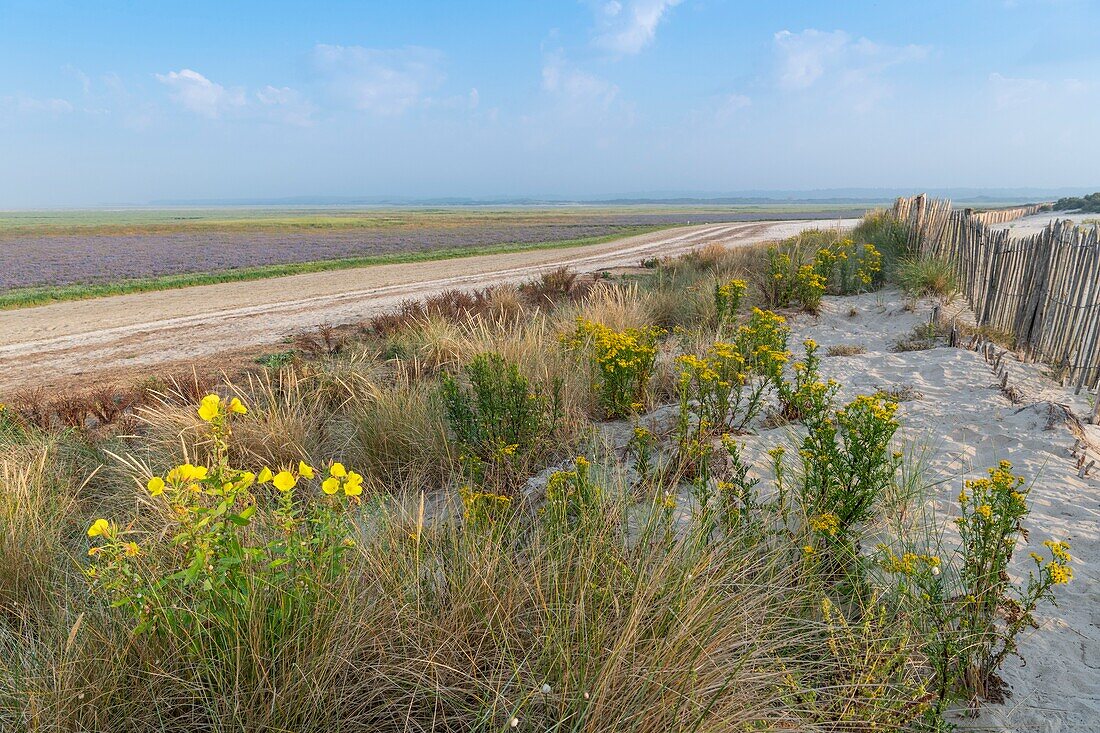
(731, 104)
(575, 86)
(627, 27)
(37, 105)
(286, 105)
(80, 76)
(810, 56)
(1016, 93)
(385, 81)
(736, 101)
(195, 92)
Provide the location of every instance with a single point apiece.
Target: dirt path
(78, 341)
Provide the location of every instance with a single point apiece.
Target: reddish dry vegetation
(549, 289)
(106, 405)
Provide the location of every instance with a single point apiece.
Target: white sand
(1034, 224)
(968, 425)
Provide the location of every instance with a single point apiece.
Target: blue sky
(112, 102)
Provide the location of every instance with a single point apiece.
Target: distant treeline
(1089, 204)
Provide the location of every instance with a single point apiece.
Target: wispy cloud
(808, 57)
(80, 76)
(195, 92)
(384, 81)
(1018, 92)
(625, 27)
(286, 105)
(731, 104)
(36, 105)
(573, 85)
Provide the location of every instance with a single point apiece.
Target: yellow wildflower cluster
(623, 362)
(763, 342)
(827, 523)
(569, 492)
(1060, 550)
(727, 298)
(1002, 482)
(875, 406)
(848, 265)
(213, 408)
(478, 505)
(911, 563)
(1059, 569)
(210, 505)
(341, 478)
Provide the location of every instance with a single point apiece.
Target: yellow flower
(985, 510)
(235, 405)
(285, 481)
(265, 476)
(99, 528)
(305, 470)
(208, 408)
(156, 486)
(132, 549)
(338, 470)
(330, 485)
(187, 472)
(1060, 574)
(354, 484)
(827, 523)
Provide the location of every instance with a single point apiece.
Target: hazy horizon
(114, 104)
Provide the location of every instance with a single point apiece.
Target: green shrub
(846, 463)
(501, 423)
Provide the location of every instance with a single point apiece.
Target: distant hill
(656, 198)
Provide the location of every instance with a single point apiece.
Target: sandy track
(67, 343)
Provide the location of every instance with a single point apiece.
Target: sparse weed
(845, 350)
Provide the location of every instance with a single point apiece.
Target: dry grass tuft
(845, 350)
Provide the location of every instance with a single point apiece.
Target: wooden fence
(1042, 289)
